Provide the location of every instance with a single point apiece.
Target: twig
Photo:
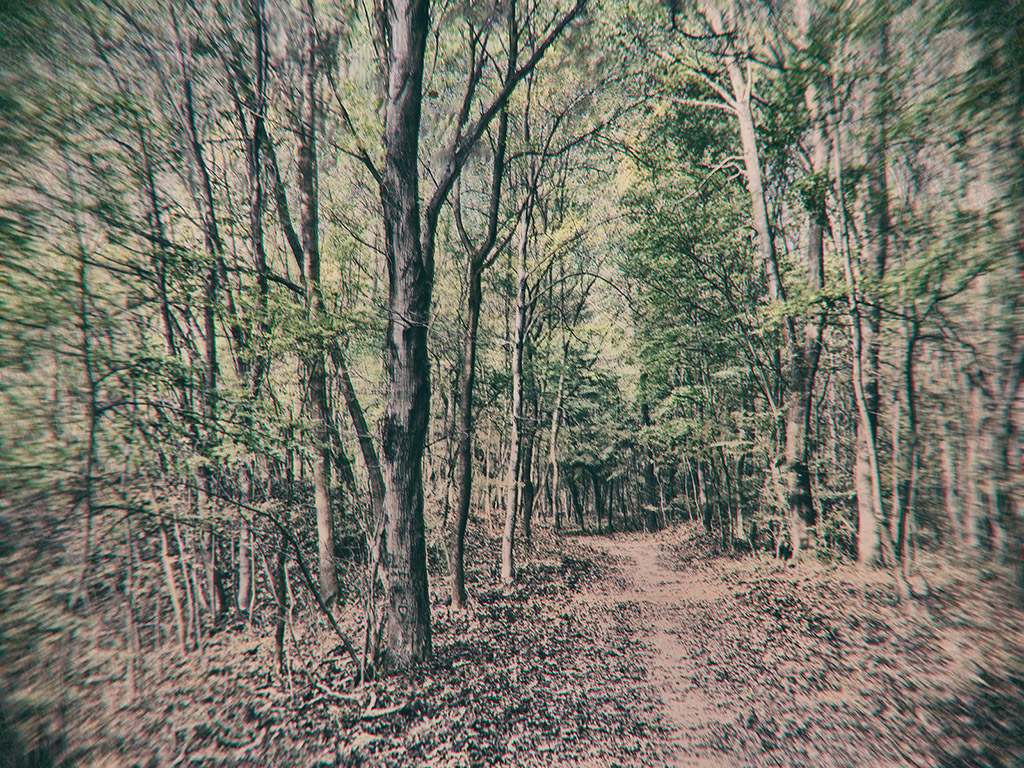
(373, 713)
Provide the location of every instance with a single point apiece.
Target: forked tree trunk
(478, 262)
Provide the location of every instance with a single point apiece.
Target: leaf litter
(618, 650)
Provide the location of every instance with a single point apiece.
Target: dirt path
(760, 666)
(665, 596)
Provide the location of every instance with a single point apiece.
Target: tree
(409, 251)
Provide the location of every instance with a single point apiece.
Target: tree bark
(528, 487)
(172, 587)
(554, 482)
(516, 416)
(871, 525)
(870, 543)
(258, 367)
(316, 374)
(650, 484)
(799, 387)
(410, 284)
(806, 356)
(478, 262)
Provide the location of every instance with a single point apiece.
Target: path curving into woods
(757, 664)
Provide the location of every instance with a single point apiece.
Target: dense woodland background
(307, 305)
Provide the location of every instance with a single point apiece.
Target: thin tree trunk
(554, 481)
(528, 487)
(133, 643)
(740, 531)
(489, 480)
(870, 528)
(172, 587)
(973, 508)
(871, 515)
(703, 509)
(478, 262)
(950, 494)
(81, 588)
(649, 482)
(192, 591)
(214, 247)
(258, 367)
(896, 508)
(316, 375)
(598, 498)
(516, 418)
(280, 593)
(908, 511)
(245, 546)
(375, 526)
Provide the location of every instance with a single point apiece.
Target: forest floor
(610, 650)
(759, 664)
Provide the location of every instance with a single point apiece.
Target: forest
(511, 382)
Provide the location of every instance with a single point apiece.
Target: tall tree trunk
(316, 374)
(258, 367)
(740, 531)
(805, 356)
(971, 477)
(554, 483)
(526, 478)
(410, 283)
(172, 586)
(489, 480)
(871, 525)
(650, 484)
(464, 458)
(214, 248)
(907, 512)
(870, 542)
(703, 508)
(800, 384)
(280, 592)
(516, 417)
(479, 259)
(528, 487)
(85, 498)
